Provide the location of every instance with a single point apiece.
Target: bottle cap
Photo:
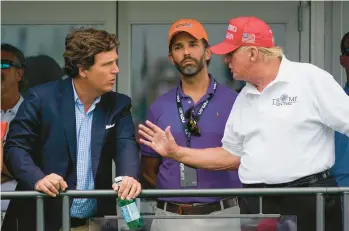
(118, 179)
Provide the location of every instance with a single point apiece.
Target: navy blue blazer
(42, 140)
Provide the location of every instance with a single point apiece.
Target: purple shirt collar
(210, 89)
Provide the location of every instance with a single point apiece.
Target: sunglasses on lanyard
(6, 64)
(192, 123)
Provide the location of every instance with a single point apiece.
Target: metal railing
(319, 192)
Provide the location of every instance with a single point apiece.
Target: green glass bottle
(130, 211)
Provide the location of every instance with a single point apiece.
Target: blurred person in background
(341, 168)
(66, 134)
(41, 69)
(12, 71)
(197, 109)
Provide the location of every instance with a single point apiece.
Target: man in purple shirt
(197, 111)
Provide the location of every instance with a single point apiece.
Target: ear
(253, 53)
(208, 53)
(82, 71)
(170, 57)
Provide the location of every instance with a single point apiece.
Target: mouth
(188, 62)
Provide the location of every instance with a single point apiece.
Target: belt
(304, 181)
(192, 209)
(77, 222)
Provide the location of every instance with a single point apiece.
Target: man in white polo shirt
(280, 132)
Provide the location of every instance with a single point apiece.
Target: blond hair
(272, 52)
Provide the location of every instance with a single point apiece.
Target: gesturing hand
(160, 141)
(51, 185)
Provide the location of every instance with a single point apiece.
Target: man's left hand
(129, 188)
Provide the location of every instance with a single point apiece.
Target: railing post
(320, 212)
(346, 210)
(40, 221)
(66, 213)
(260, 205)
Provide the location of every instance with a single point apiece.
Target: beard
(192, 69)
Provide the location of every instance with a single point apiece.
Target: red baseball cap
(245, 31)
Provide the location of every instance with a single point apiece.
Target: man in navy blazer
(66, 134)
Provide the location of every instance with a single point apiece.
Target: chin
(108, 89)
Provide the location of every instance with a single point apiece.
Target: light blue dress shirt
(83, 207)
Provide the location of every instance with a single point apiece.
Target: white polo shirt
(286, 131)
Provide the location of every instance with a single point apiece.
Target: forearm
(149, 171)
(209, 158)
(22, 167)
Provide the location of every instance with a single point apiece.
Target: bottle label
(130, 212)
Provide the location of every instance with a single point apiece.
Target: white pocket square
(109, 126)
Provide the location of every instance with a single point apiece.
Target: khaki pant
(217, 224)
(88, 227)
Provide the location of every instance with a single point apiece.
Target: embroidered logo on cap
(232, 28)
(184, 25)
(229, 36)
(248, 38)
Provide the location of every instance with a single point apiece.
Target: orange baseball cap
(245, 31)
(191, 26)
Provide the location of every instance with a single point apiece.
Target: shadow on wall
(40, 69)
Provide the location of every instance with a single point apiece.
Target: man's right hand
(160, 141)
(51, 185)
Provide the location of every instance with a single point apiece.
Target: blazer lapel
(99, 122)
(67, 112)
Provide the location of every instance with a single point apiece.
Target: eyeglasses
(192, 123)
(6, 64)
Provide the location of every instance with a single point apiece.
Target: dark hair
(345, 37)
(19, 56)
(82, 45)
(204, 42)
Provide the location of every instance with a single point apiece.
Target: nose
(186, 50)
(115, 69)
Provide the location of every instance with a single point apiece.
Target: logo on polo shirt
(284, 100)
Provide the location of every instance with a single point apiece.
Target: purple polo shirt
(163, 112)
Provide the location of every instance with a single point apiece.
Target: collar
(15, 108)
(210, 89)
(282, 76)
(346, 88)
(77, 99)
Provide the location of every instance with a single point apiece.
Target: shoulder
(44, 91)
(116, 99)
(223, 89)
(308, 70)
(165, 99)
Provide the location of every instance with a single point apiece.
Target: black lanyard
(200, 112)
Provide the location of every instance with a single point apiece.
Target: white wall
(336, 25)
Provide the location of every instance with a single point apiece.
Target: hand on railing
(129, 188)
(51, 185)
